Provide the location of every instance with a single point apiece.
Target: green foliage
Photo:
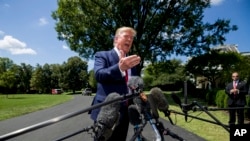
(163, 27)
(221, 97)
(92, 81)
(213, 65)
(247, 111)
(163, 73)
(210, 96)
(75, 75)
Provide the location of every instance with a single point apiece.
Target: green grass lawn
(19, 104)
(206, 130)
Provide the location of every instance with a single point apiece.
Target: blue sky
(27, 33)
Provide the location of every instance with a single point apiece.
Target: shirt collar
(117, 51)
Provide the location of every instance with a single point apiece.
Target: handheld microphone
(108, 118)
(160, 100)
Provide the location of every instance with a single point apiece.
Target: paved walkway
(71, 125)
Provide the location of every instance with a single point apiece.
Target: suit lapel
(115, 56)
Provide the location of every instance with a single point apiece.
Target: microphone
(143, 107)
(135, 84)
(134, 116)
(160, 100)
(176, 99)
(135, 119)
(185, 107)
(108, 118)
(153, 106)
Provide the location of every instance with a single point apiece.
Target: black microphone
(135, 119)
(153, 106)
(143, 107)
(134, 115)
(160, 100)
(176, 99)
(185, 107)
(108, 118)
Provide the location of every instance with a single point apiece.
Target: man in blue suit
(112, 69)
(236, 91)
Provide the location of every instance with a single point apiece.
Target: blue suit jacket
(109, 78)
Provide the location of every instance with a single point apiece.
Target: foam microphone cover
(134, 115)
(153, 106)
(135, 82)
(109, 114)
(159, 99)
(176, 99)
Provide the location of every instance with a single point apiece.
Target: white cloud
(216, 2)
(65, 47)
(43, 21)
(14, 46)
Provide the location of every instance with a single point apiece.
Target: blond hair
(123, 29)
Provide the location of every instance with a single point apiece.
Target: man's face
(235, 76)
(124, 41)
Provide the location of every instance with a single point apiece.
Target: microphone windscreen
(109, 114)
(134, 115)
(153, 107)
(176, 99)
(135, 82)
(159, 99)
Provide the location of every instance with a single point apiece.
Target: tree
(213, 65)
(75, 73)
(35, 81)
(92, 81)
(23, 73)
(164, 73)
(7, 77)
(163, 27)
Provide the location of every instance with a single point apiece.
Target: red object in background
(56, 91)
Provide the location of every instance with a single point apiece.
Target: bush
(247, 111)
(210, 96)
(221, 99)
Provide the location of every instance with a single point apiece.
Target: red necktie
(234, 85)
(126, 75)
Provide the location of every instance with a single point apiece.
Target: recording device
(108, 118)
